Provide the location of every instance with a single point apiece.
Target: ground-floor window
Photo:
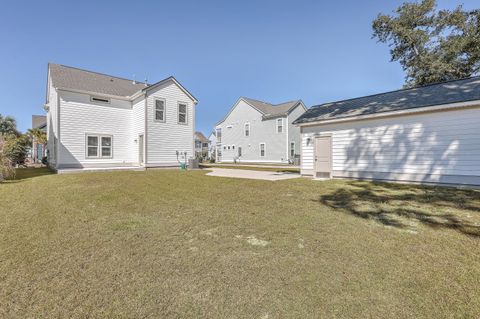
(262, 149)
(99, 146)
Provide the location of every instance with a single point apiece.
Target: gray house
(261, 132)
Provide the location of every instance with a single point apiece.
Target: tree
(432, 46)
(37, 135)
(15, 148)
(8, 126)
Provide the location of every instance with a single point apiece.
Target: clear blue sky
(274, 51)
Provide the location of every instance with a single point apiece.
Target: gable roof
(39, 121)
(200, 137)
(67, 77)
(267, 110)
(455, 91)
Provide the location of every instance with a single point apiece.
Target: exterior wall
(52, 128)
(165, 138)
(293, 130)
(79, 116)
(440, 147)
(138, 125)
(260, 132)
(212, 145)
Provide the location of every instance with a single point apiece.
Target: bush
(44, 160)
(15, 148)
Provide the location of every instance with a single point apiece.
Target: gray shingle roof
(435, 94)
(271, 110)
(39, 121)
(200, 137)
(76, 79)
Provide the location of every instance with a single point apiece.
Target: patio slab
(248, 174)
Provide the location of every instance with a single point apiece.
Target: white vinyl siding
(260, 131)
(163, 141)
(422, 147)
(78, 117)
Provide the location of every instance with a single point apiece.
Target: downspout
(57, 146)
(145, 142)
(286, 137)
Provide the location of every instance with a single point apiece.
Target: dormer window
(97, 99)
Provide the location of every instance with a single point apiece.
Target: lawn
(175, 244)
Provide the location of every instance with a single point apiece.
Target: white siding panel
(293, 130)
(78, 116)
(430, 145)
(165, 138)
(233, 133)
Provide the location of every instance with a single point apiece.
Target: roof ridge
(255, 100)
(399, 90)
(95, 72)
(292, 101)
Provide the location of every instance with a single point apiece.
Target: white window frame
(279, 126)
(264, 149)
(290, 150)
(164, 110)
(99, 100)
(99, 145)
(245, 130)
(186, 113)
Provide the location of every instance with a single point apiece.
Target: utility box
(193, 163)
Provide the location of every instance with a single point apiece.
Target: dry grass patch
(173, 244)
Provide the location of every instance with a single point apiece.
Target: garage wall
(441, 147)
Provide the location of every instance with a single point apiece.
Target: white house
(98, 121)
(212, 145)
(426, 134)
(256, 131)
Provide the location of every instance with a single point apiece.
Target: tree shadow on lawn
(403, 206)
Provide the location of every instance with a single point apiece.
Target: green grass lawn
(164, 243)
(252, 168)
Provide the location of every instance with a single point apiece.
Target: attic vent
(99, 99)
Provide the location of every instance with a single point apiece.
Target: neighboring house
(425, 134)
(201, 145)
(212, 145)
(255, 131)
(96, 120)
(39, 150)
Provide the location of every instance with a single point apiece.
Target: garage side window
(182, 113)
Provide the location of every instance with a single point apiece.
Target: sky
(274, 51)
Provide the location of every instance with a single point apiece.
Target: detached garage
(429, 134)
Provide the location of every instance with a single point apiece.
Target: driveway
(243, 173)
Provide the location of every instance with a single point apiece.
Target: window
(292, 149)
(182, 113)
(106, 146)
(219, 135)
(160, 110)
(262, 149)
(228, 147)
(92, 146)
(233, 147)
(99, 146)
(247, 129)
(279, 125)
(224, 147)
(99, 99)
(239, 151)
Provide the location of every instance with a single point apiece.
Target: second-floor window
(219, 135)
(262, 149)
(279, 125)
(182, 113)
(160, 110)
(247, 129)
(292, 149)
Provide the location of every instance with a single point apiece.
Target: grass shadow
(403, 206)
(29, 172)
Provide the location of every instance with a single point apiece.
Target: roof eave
(425, 109)
(171, 78)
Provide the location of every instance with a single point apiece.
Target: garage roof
(456, 91)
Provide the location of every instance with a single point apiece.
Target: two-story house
(201, 145)
(96, 120)
(256, 131)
